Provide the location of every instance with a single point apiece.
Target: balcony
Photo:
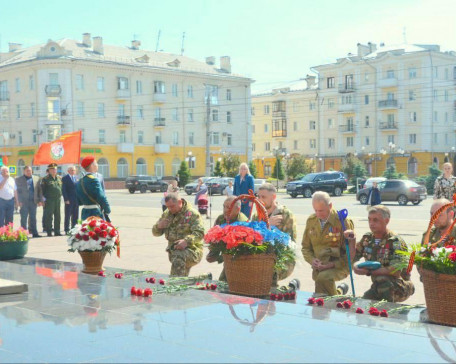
(53, 90)
(388, 104)
(158, 122)
(347, 128)
(387, 82)
(279, 133)
(125, 147)
(346, 87)
(346, 108)
(279, 114)
(388, 126)
(4, 96)
(161, 148)
(123, 120)
(159, 98)
(123, 94)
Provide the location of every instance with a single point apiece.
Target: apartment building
(141, 112)
(387, 105)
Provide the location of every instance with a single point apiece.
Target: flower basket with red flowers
(93, 238)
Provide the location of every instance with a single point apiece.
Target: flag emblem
(57, 151)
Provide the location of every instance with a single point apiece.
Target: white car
(257, 183)
(369, 181)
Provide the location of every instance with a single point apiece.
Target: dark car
(218, 184)
(143, 183)
(331, 182)
(399, 190)
(190, 188)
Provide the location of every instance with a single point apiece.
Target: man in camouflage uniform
(184, 230)
(323, 246)
(51, 188)
(280, 217)
(236, 215)
(445, 185)
(381, 245)
(442, 223)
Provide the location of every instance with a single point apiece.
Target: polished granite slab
(67, 316)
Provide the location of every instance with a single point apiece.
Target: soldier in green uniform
(184, 230)
(91, 195)
(323, 246)
(442, 223)
(51, 189)
(280, 217)
(236, 215)
(381, 245)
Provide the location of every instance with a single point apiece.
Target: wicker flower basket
(440, 295)
(93, 261)
(250, 275)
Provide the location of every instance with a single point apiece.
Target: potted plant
(92, 239)
(13, 243)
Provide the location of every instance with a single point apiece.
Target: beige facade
(140, 111)
(386, 105)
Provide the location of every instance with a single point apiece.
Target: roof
(72, 49)
(292, 86)
(397, 48)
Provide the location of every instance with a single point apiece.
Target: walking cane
(342, 214)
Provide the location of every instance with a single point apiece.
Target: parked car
(257, 182)
(398, 190)
(143, 183)
(218, 184)
(190, 188)
(369, 181)
(331, 182)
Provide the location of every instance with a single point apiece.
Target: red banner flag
(65, 150)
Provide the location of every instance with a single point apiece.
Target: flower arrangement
(94, 234)
(246, 238)
(7, 233)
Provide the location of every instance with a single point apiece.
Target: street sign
(12, 169)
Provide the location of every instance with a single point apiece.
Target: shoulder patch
(90, 176)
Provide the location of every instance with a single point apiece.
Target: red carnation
(103, 243)
(452, 257)
(139, 292)
(359, 310)
(104, 234)
(147, 292)
(320, 301)
(91, 234)
(374, 311)
(292, 295)
(95, 237)
(103, 226)
(78, 236)
(272, 296)
(93, 223)
(83, 230)
(348, 304)
(286, 296)
(133, 290)
(213, 286)
(97, 230)
(384, 313)
(311, 301)
(112, 233)
(147, 280)
(280, 296)
(162, 282)
(340, 305)
(85, 238)
(152, 280)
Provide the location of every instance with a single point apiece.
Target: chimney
(98, 45)
(310, 80)
(363, 50)
(135, 44)
(86, 41)
(225, 64)
(210, 60)
(372, 47)
(14, 46)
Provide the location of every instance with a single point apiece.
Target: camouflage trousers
(183, 260)
(325, 281)
(282, 273)
(390, 288)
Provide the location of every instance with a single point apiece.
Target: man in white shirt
(8, 196)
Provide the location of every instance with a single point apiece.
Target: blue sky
(270, 41)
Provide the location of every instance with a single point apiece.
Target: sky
(273, 42)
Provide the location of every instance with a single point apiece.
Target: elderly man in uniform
(28, 196)
(184, 230)
(381, 245)
(442, 223)
(280, 217)
(323, 246)
(90, 193)
(51, 188)
(236, 215)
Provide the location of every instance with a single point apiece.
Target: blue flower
(272, 235)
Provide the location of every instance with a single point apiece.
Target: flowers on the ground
(8, 233)
(94, 234)
(359, 310)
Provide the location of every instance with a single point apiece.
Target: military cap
(52, 165)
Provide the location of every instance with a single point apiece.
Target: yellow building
(140, 112)
(386, 105)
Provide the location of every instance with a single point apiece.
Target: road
(135, 214)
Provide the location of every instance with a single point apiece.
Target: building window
(101, 136)
(412, 96)
(190, 115)
(190, 91)
(312, 125)
(447, 96)
(174, 89)
(54, 79)
(390, 74)
(53, 132)
(103, 167)
(252, 111)
(412, 115)
(101, 110)
(140, 111)
(436, 138)
(412, 138)
(412, 166)
(159, 87)
(175, 114)
(191, 162)
(366, 122)
(80, 108)
(158, 114)
(229, 139)
(139, 89)
(390, 139)
(295, 106)
(82, 134)
(19, 137)
(331, 82)
(267, 170)
(215, 138)
(267, 146)
(253, 129)
(366, 76)
(122, 83)
(366, 99)
(446, 74)
(18, 84)
(211, 94)
(446, 118)
(122, 136)
(330, 103)
(253, 147)
(331, 143)
(100, 84)
(349, 141)
(446, 139)
(390, 162)
(191, 138)
(266, 109)
(53, 111)
(228, 94)
(390, 119)
(31, 83)
(121, 110)
(140, 137)
(295, 126)
(34, 136)
(436, 95)
(436, 116)
(141, 167)
(122, 168)
(158, 137)
(79, 82)
(367, 140)
(228, 116)
(311, 105)
(265, 128)
(18, 111)
(330, 123)
(436, 72)
(412, 72)
(295, 144)
(175, 138)
(313, 143)
(215, 115)
(32, 109)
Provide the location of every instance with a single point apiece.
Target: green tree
(354, 169)
(184, 174)
(252, 168)
(391, 173)
(218, 169)
(298, 165)
(278, 172)
(230, 164)
(434, 172)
